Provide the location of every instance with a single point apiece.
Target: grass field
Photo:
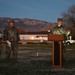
(29, 63)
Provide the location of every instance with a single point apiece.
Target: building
(34, 37)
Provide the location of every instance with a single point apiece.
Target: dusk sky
(45, 10)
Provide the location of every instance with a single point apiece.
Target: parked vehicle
(68, 42)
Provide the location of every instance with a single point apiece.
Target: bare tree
(69, 19)
(69, 16)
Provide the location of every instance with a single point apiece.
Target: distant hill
(28, 25)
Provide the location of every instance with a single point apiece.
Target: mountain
(28, 25)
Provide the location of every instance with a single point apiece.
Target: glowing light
(31, 38)
(40, 37)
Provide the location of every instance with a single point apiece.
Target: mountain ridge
(27, 24)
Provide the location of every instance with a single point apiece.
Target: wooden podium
(57, 49)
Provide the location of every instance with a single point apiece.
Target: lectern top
(56, 37)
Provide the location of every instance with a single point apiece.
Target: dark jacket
(11, 34)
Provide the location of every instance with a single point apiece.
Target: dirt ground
(36, 60)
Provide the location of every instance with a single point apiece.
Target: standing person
(11, 36)
(59, 29)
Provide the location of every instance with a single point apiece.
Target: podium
(57, 49)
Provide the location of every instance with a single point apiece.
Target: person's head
(11, 23)
(60, 21)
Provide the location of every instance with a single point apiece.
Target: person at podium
(59, 28)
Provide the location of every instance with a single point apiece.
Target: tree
(69, 18)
